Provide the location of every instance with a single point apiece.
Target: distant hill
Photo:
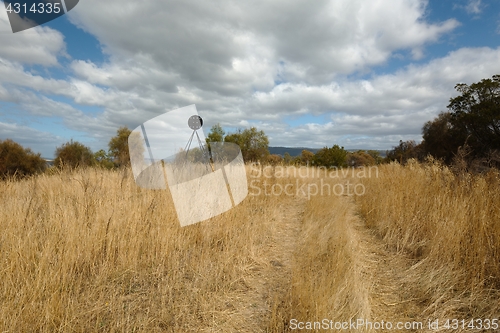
(293, 151)
(296, 151)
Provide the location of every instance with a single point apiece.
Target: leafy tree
(118, 147)
(376, 156)
(73, 154)
(331, 157)
(473, 120)
(216, 134)
(476, 114)
(405, 151)
(441, 138)
(103, 159)
(254, 144)
(19, 161)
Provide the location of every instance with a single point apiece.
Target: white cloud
(474, 7)
(40, 45)
(229, 47)
(227, 56)
(394, 104)
(29, 137)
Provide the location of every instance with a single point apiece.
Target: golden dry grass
(89, 251)
(446, 227)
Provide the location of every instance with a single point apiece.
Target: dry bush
(18, 162)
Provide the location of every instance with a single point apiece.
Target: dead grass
(447, 228)
(90, 251)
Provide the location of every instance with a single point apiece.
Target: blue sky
(358, 73)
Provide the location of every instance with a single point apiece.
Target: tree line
(19, 162)
(254, 145)
(467, 134)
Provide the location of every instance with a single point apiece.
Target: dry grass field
(89, 251)
(447, 228)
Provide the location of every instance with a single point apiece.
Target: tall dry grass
(90, 251)
(449, 226)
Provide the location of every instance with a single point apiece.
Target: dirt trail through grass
(371, 284)
(266, 304)
(393, 295)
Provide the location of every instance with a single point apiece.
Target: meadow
(89, 251)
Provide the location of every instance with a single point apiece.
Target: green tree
(103, 159)
(375, 154)
(405, 151)
(331, 157)
(216, 134)
(19, 161)
(476, 115)
(441, 138)
(471, 123)
(118, 147)
(73, 154)
(254, 144)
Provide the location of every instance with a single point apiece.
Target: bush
(360, 158)
(331, 157)
(74, 154)
(18, 161)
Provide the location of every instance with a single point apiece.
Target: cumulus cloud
(393, 104)
(230, 47)
(252, 62)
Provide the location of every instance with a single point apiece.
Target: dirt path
(262, 307)
(383, 275)
(393, 295)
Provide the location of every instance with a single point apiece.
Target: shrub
(73, 154)
(18, 161)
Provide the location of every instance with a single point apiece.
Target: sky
(362, 74)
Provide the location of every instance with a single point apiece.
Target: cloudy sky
(358, 73)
